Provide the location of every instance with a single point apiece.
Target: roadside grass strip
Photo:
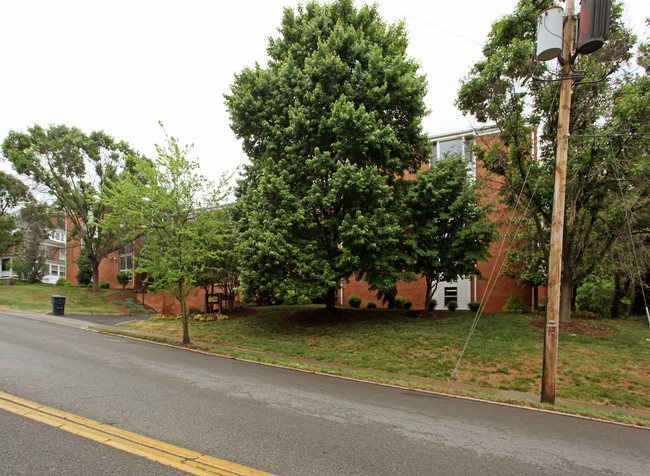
(164, 453)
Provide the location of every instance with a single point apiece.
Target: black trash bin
(58, 305)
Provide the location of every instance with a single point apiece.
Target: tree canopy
(73, 168)
(608, 167)
(329, 125)
(165, 206)
(448, 229)
(13, 194)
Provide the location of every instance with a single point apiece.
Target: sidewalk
(98, 322)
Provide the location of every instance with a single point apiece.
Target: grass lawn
(37, 298)
(609, 366)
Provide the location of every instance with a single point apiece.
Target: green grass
(37, 298)
(505, 351)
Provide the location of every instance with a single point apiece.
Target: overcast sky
(122, 66)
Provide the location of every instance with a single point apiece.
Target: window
(126, 263)
(56, 270)
(57, 235)
(6, 264)
(461, 146)
(451, 294)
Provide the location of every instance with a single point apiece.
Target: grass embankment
(505, 351)
(37, 298)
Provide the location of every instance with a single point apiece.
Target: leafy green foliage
(371, 304)
(329, 125)
(221, 267)
(74, 168)
(85, 269)
(609, 166)
(167, 207)
(515, 304)
(62, 282)
(354, 301)
(104, 285)
(474, 306)
(595, 295)
(30, 259)
(452, 306)
(13, 194)
(448, 230)
(123, 278)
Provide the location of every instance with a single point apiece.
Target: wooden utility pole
(549, 370)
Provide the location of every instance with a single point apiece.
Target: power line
(430, 24)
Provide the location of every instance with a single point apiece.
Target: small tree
(123, 277)
(36, 223)
(85, 269)
(167, 204)
(449, 231)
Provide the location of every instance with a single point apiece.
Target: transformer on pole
(552, 43)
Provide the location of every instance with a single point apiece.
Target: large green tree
(329, 125)
(165, 206)
(73, 167)
(13, 195)
(447, 228)
(607, 149)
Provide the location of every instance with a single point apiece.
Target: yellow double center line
(169, 455)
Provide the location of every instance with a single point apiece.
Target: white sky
(121, 66)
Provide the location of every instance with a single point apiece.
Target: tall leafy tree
(73, 167)
(329, 125)
(165, 205)
(13, 195)
(448, 229)
(509, 88)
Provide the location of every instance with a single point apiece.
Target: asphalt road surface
(276, 420)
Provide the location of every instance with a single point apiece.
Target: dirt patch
(428, 315)
(320, 317)
(582, 328)
(240, 311)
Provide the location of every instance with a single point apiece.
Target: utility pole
(549, 370)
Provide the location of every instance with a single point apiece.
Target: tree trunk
(95, 265)
(566, 295)
(330, 299)
(427, 297)
(186, 328)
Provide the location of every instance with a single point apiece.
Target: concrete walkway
(111, 322)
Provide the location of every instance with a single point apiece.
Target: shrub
(123, 277)
(515, 304)
(63, 282)
(407, 304)
(399, 302)
(90, 285)
(474, 306)
(104, 285)
(595, 295)
(195, 310)
(371, 304)
(431, 305)
(85, 269)
(452, 306)
(354, 301)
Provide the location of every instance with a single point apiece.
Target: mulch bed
(582, 328)
(428, 315)
(321, 317)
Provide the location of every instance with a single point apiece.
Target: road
(278, 420)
